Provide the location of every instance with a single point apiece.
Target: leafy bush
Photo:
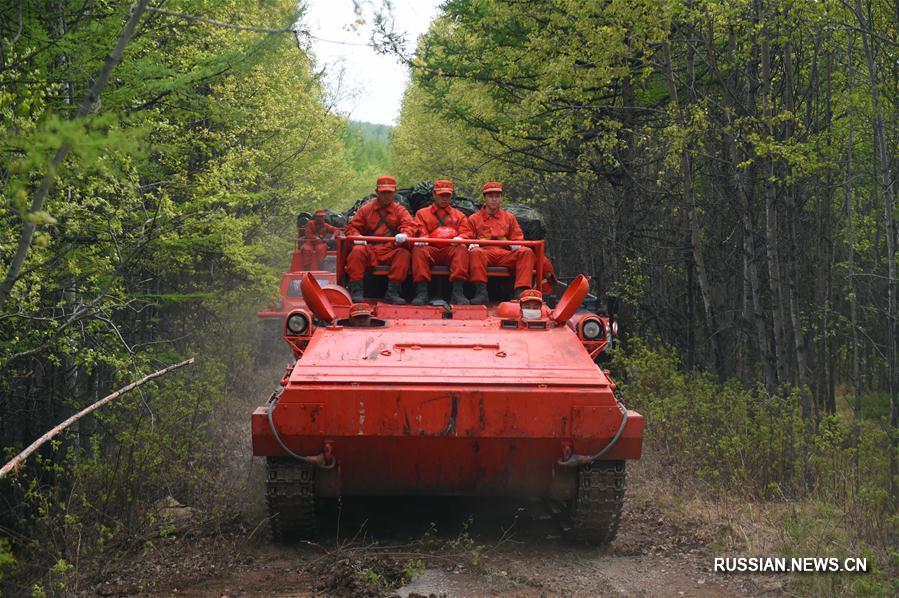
(735, 440)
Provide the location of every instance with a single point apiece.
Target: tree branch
(199, 19)
(16, 462)
(87, 106)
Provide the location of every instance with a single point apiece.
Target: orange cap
(493, 187)
(443, 187)
(321, 213)
(531, 295)
(386, 183)
(360, 309)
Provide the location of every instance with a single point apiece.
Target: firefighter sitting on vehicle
(441, 220)
(548, 284)
(315, 247)
(381, 217)
(493, 223)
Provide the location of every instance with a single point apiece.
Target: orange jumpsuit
(375, 221)
(455, 256)
(549, 277)
(501, 225)
(314, 248)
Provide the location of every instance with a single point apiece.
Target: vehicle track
(466, 547)
(455, 547)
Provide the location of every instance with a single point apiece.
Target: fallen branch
(17, 461)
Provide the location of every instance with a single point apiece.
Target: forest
(726, 168)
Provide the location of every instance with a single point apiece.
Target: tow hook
(571, 460)
(566, 452)
(330, 461)
(325, 459)
(578, 460)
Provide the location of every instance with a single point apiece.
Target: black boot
(393, 294)
(519, 291)
(459, 297)
(355, 289)
(480, 296)
(421, 293)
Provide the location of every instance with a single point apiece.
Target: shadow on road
(404, 519)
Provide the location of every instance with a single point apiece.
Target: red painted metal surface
(290, 295)
(337, 296)
(572, 299)
(462, 400)
(460, 406)
(316, 299)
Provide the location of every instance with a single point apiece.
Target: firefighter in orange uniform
(531, 304)
(381, 217)
(492, 222)
(549, 277)
(440, 218)
(360, 316)
(318, 232)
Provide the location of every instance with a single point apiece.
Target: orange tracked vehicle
(290, 296)
(458, 400)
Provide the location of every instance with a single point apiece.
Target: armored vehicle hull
(446, 400)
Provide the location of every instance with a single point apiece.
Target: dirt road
(423, 547)
(441, 547)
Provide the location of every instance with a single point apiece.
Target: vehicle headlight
(592, 329)
(297, 323)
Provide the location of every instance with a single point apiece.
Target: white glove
(457, 238)
(420, 243)
(360, 242)
(514, 247)
(473, 246)
(400, 238)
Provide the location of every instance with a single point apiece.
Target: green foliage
(7, 559)
(167, 223)
(372, 577)
(806, 531)
(734, 440)
(427, 145)
(875, 406)
(412, 569)
(367, 148)
(702, 161)
(737, 438)
(572, 106)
